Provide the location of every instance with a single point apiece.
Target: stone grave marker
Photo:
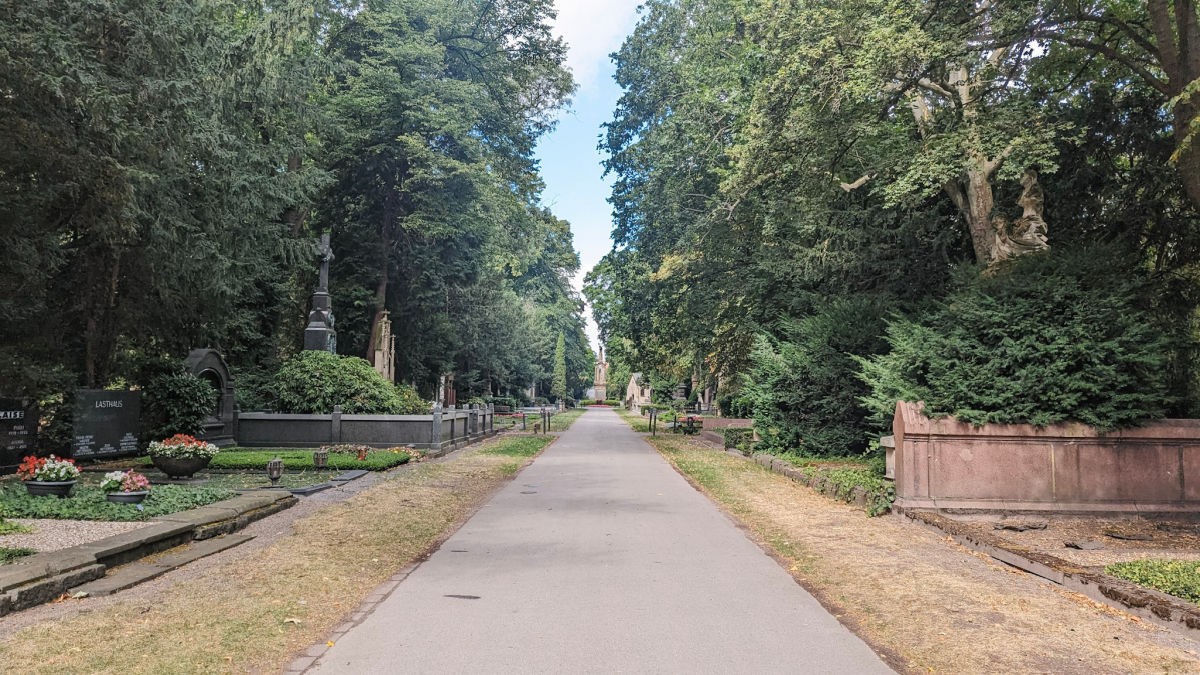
(18, 432)
(106, 423)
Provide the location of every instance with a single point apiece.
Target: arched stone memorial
(221, 426)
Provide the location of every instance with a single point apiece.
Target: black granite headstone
(18, 432)
(106, 423)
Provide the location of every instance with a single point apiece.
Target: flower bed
(89, 502)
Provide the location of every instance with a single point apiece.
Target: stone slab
(311, 489)
(349, 475)
(135, 573)
(46, 589)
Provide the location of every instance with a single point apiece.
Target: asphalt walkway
(599, 558)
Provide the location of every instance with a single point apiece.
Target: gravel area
(52, 535)
(1110, 539)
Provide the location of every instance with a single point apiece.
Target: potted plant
(181, 456)
(48, 476)
(125, 487)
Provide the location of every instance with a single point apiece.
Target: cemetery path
(598, 557)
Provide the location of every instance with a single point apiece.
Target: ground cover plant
(88, 502)
(1180, 578)
(8, 555)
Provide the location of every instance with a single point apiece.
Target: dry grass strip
(255, 613)
(912, 592)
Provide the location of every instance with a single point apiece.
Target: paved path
(599, 558)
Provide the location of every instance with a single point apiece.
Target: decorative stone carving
(1028, 234)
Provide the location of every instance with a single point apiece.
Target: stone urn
(49, 488)
(179, 467)
(134, 497)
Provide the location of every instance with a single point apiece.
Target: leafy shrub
(176, 403)
(314, 382)
(803, 388)
(1180, 578)
(737, 437)
(1049, 338)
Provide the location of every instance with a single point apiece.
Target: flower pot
(179, 467)
(49, 488)
(134, 497)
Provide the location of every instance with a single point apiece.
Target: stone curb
(1160, 608)
(43, 577)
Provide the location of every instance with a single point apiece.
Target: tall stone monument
(601, 380)
(385, 349)
(319, 335)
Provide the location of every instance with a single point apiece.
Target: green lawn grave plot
(299, 459)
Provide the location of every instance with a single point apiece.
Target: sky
(570, 162)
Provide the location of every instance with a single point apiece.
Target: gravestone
(220, 428)
(106, 423)
(319, 335)
(18, 432)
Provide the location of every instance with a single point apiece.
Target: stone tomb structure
(945, 464)
(220, 428)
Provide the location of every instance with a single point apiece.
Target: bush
(313, 382)
(1180, 578)
(1050, 338)
(742, 439)
(802, 387)
(176, 403)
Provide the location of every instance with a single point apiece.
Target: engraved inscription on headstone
(18, 432)
(106, 423)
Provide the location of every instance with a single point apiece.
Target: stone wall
(443, 429)
(1069, 468)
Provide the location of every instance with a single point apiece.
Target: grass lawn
(251, 480)
(88, 503)
(563, 420)
(640, 423)
(518, 446)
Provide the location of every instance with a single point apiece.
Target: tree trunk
(98, 335)
(1188, 159)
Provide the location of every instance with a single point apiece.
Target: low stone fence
(442, 429)
(946, 464)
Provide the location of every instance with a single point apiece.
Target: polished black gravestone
(106, 423)
(18, 432)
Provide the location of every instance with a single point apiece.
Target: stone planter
(134, 497)
(179, 467)
(49, 488)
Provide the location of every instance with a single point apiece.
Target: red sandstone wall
(947, 464)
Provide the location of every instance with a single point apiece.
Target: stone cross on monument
(319, 335)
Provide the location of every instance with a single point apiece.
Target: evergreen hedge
(313, 382)
(1046, 339)
(802, 387)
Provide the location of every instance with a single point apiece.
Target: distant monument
(385, 349)
(601, 381)
(319, 335)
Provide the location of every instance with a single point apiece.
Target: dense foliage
(314, 382)
(774, 162)
(1050, 338)
(165, 169)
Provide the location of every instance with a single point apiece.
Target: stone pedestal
(319, 335)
